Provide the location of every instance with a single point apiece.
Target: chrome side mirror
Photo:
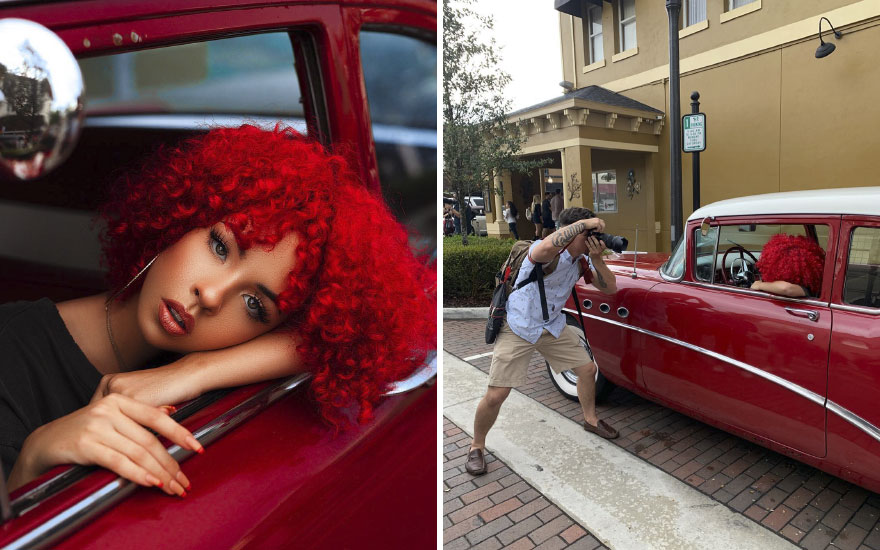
(41, 99)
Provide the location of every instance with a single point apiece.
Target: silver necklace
(109, 302)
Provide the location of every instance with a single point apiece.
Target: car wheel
(566, 381)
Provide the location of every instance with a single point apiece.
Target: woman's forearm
(269, 356)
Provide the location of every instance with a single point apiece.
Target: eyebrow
(272, 296)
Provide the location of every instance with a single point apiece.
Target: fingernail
(183, 494)
(194, 444)
(153, 480)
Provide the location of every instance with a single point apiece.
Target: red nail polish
(189, 487)
(183, 494)
(160, 485)
(200, 450)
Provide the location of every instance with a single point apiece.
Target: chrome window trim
(791, 386)
(856, 309)
(418, 378)
(829, 405)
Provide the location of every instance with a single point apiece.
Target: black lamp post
(673, 9)
(825, 48)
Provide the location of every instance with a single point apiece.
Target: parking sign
(693, 129)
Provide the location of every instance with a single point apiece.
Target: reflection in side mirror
(41, 99)
(704, 226)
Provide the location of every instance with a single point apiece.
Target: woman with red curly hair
(791, 266)
(229, 249)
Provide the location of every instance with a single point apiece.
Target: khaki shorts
(511, 355)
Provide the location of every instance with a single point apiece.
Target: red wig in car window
(794, 259)
(359, 302)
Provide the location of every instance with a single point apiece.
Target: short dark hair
(558, 191)
(547, 193)
(574, 214)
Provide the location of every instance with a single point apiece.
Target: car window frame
(848, 224)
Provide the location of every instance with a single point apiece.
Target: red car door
(754, 362)
(854, 366)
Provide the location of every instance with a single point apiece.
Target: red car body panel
(740, 360)
(284, 478)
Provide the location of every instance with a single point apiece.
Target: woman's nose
(209, 295)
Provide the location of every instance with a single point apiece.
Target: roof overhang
(573, 7)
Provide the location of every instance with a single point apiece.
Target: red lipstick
(174, 318)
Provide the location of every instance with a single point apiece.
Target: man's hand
(110, 432)
(595, 249)
(166, 385)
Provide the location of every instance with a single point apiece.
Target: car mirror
(705, 226)
(41, 99)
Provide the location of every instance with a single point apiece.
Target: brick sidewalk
(807, 506)
(499, 509)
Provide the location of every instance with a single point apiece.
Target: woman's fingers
(144, 448)
(119, 452)
(155, 418)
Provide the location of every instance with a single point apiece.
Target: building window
(733, 4)
(605, 191)
(594, 34)
(694, 12)
(627, 25)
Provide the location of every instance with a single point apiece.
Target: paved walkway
(795, 502)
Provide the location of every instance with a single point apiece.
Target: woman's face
(203, 293)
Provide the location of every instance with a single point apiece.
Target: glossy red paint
(742, 361)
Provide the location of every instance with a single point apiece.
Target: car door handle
(808, 313)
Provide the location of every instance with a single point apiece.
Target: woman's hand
(166, 385)
(110, 432)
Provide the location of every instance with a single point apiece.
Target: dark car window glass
(674, 266)
(862, 284)
(242, 75)
(704, 247)
(400, 74)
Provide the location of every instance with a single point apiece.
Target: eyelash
(261, 314)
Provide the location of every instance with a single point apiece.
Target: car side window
(861, 286)
(704, 248)
(244, 75)
(674, 266)
(400, 75)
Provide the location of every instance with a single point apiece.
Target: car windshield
(674, 266)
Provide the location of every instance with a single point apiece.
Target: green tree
(478, 141)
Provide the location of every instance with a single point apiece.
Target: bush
(469, 271)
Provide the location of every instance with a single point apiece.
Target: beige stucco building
(778, 118)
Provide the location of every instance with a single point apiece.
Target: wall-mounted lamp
(825, 48)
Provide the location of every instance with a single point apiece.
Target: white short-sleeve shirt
(524, 314)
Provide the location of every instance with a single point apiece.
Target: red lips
(174, 318)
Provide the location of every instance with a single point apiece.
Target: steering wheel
(743, 275)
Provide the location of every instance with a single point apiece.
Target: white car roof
(851, 200)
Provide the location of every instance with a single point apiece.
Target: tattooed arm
(603, 278)
(549, 247)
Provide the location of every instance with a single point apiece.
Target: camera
(614, 242)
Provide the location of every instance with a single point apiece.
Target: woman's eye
(255, 308)
(218, 246)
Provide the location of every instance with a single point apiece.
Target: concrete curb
(463, 313)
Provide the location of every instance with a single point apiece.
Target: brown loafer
(476, 462)
(602, 429)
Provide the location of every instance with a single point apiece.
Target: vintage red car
(798, 375)
(356, 74)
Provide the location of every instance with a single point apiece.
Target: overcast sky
(528, 31)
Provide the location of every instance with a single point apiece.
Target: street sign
(693, 130)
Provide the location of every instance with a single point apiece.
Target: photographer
(526, 330)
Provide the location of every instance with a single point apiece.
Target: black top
(44, 375)
(547, 212)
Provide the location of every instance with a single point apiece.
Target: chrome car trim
(176, 121)
(855, 420)
(588, 304)
(622, 312)
(808, 313)
(421, 376)
(791, 386)
(604, 308)
(667, 278)
(71, 518)
(856, 309)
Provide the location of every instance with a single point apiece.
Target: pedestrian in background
(547, 216)
(556, 204)
(536, 216)
(510, 214)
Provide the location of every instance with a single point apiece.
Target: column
(576, 162)
(495, 224)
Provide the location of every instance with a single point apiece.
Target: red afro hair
(793, 259)
(362, 304)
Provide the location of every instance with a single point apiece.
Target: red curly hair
(794, 259)
(363, 304)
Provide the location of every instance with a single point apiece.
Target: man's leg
(586, 388)
(487, 412)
